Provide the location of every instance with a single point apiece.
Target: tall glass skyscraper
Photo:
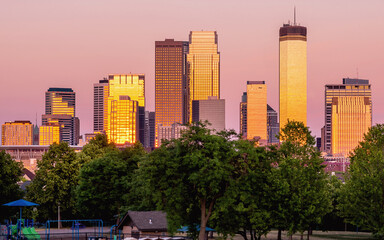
(204, 66)
(126, 108)
(100, 106)
(348, 115)
(293, 74)
(171, 92)
(257, 111)
(60, 108)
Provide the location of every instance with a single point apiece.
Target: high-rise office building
(348, 115)
(17, 133)
(133, 86)
(50, 133)
(149, 129)
(272, 125)
(123, 127)
(257, 111)
(171, 92)
(100, 105)
(204, 66)
(212, 110)
(293, 74)
(60, 107)
(243, 115)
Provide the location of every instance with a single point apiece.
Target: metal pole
(58, 216)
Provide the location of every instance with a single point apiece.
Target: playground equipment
(76, 225)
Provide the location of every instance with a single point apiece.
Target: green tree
(188, 175)
(301, 185)
(245, 206)
(55, 182)
(10, 174)
(105, 183)
(362, 196)
(96, 148)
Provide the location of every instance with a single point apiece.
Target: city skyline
(343, 41)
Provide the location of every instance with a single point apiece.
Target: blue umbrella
(20, 203)
(186, 229)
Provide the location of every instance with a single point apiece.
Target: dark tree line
(208, 178)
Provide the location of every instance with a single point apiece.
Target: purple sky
(74, 43)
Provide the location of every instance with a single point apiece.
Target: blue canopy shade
(185, 229)
(20, 203)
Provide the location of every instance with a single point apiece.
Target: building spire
(294, 16)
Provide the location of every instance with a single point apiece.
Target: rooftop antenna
(294, 15)
(357, 72)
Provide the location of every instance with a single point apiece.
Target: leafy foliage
(105, 183)
(362, 196)
(96, 148)
(55, 182)
(302, 196)
(10, 173)
(188, 175)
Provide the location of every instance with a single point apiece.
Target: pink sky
(74, 43)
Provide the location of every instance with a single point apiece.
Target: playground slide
(30, 233)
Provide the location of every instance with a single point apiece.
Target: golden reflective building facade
(17, 133)
(126, 103)
(293, 74)
(123, 121)
(60, 106)
(348, 115)
(171, 93)
(257, 111)
(50, 133)
(203, 66)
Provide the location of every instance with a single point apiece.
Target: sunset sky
(75, 43)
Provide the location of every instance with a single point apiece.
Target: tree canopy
(362, 196)
(188, 175)
(10, 174)
(55, 182)
(105, 183)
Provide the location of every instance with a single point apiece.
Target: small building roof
(145, 221)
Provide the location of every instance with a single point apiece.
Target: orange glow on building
(50, 133)
(17, 133)
(171, 95)
(123, 121)
(204, 66)
(348, 115)
(257, 111)
(293, 74)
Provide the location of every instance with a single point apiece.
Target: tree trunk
(291, 237)
(251, 232)
(302, 236)
(203, 221)
(279, 234)
(309, 233)
(244, 234)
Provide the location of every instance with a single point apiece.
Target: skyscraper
(293, 74)
(272, 125)
(60, 107)
(17, 133)
(243, 115)
(204, 66)
(257, 111)
(124, 91)
(100, 105)
(348, 115)
(212, 109)
(149, 129)
(171, 92)
(123, 120)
